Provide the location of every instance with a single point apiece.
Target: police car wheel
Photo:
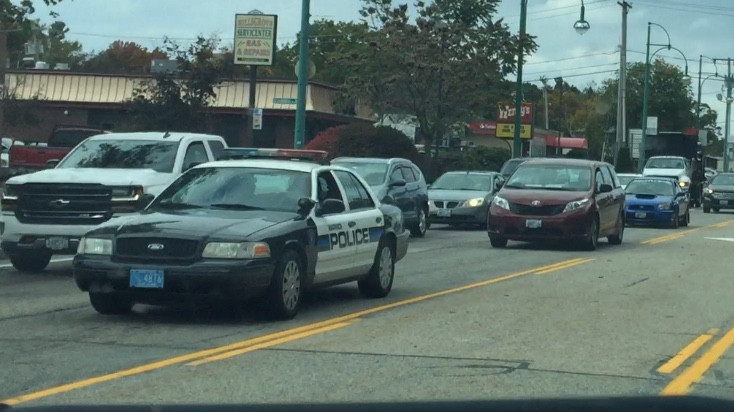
(284, 294)
(378, 282)
(110, 303)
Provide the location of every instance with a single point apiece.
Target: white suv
(105, 177)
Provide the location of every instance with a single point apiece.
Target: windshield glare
(248, 188)
(463, 181)
(649, 187)
(123, 154)
(373, 173)
(724, 180)
(624, 180)
(571, 178)
(661, 163)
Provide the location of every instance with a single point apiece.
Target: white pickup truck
(105, 177)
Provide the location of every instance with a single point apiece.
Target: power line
(575, 75)
(694, 9)
(574, 68)
(574, 58)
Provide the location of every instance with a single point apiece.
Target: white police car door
(336, 245)
(365, 220)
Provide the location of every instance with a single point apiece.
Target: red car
(559, 199)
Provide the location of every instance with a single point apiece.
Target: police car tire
(275, 296)
(686, 218)
(371, 286)
(110, 303)
(30, 262)
(706, 209)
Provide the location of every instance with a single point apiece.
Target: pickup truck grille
(150, 249)
(64, 204)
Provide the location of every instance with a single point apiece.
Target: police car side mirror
(305, 205)
(330, 207)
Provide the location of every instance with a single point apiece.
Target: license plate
(57, 243)
(444, 212)
(640, 215)
(146, 278)
(533, 223)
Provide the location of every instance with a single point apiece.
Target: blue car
(656, 201)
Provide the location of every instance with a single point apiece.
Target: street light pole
(641, 156)
(300, 127)
(622, 92)
(728, 114)
(517, 143)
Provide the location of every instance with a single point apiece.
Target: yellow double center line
(680, 234)
(253, 344)
(682, 383)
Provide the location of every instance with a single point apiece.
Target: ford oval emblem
(156, 246)
(535, 203)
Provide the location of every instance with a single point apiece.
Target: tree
(179, 101)
(124, 57)
(327, 140)
(15, 18)
(437, 67)
(364, 140)
(60, 50)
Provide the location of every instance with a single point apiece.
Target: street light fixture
(646, 86)
(582, 26)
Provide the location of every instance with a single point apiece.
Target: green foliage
(577, 154)
(178, 101)
(16, 17)
(123, 57)
(327, 140)
(365, 140)
(477, 158)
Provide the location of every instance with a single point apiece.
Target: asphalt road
(464, 321)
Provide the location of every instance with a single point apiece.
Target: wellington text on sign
(254, 39)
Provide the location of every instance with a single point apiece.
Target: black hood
(196, 223)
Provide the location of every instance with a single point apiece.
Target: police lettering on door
(344, 238)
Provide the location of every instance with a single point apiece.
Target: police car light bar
(291, 154)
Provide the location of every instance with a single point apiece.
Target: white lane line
(726, 239)
(58, 260)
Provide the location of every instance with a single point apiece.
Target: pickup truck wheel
(30, 262)
(110, 303)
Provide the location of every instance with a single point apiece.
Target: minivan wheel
(616, 239)
(497, 241)
(592, 238)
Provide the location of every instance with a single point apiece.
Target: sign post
(255, 34)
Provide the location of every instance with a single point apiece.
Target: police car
(245, 228)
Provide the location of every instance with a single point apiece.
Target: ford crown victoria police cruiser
(240, 229)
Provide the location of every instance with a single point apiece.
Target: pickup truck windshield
(123, 154)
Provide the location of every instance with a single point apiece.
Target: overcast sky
(696, 27)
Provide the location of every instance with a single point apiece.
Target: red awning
(565, 142)
(489, 128)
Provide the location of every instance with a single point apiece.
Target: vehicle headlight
(94, 246)
(708, 191)
(664, 206)
(10, 192)
(501, 202)
(576, 204)
(683, 183)
(126, 193)
(236, 250)
(476, 202)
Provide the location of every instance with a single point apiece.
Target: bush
(364, 140)
(477, 158)
(577, 154)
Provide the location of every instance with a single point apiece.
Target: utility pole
(545, 100)
(300, 128)
(622, 92)
(517, 143)
(3, 61)
(728, 114)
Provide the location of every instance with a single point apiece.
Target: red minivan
(559, 199)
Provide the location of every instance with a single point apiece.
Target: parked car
(509, 167)
(559, 200)
(719, 193)
(240, 229)
(462, 197)
(105, 177)
(398, 182)
(671, 166)
(31, 158)
(657, 201)
(625, 178)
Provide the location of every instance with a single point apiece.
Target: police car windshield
(237, 188)
(123, 154)
(463, 181)
(649, 187)
(373, 173)
(662, 163)
(551, 177)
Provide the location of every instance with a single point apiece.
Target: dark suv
(395, 181)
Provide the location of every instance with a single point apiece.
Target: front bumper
(710, 201)
(236, 279)
(20, 237)
(459, 215)
(648, 217)
(572, 225)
